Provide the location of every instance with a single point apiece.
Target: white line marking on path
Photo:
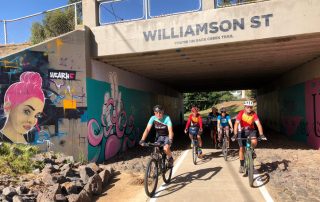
(175, 168)
(263, 189)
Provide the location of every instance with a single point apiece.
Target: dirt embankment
(12, 48)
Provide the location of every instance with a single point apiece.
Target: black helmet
(223, 110)
(158, 108)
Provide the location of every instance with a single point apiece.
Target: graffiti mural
(268, 110)
(298, 109)
(32, 108)
(115, 120)
(23, 105)
(292, 112)
(312, 99)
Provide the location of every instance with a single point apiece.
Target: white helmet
(248, 103)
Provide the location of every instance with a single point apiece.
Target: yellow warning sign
(69, 104)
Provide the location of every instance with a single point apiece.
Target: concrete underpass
(101, 82)
(271, 46)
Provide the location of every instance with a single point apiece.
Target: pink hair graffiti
(29, 86)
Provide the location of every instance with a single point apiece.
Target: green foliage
(37, 33)
(82, 158)
(204, 100)
(251, 94)
(16, 159)
(55, 23)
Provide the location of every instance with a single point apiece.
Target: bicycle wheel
(151, 177)
(195, 154)
(167, 171)
(250, 167)
(225, 149)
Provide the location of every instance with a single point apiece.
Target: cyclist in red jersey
(246, 120)
(194, 127)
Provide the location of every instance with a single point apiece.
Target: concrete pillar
(207, 4)
(90, 9)
(243, 94)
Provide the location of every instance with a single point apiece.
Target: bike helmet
(248, 103)
(223, 110)
(194, 109)
(158, 108)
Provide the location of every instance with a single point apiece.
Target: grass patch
(233, 107)
(16, 159)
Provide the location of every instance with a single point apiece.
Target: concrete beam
(90, 10)
(256, 21)
(207, 4)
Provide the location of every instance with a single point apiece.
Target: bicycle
(158, 164)
(195, 148)
(194, 131)
(248, 160)
(225, 144)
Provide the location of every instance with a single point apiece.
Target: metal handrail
(39, 13)
(35, 14)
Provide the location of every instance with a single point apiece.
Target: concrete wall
(119, 107)
(269, 19)
(96, 113)
(63, 119)
(291, 104)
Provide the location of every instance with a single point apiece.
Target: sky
(19, 31)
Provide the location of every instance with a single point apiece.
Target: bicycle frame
(159, 155)
(225, 144)
(249, 161)
(158, 160)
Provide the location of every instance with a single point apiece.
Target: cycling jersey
(213, 117)
(162, 125)
(224, 121)
(247, 120)
(194, 121)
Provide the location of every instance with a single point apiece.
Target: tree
(37, 33)
(204, 100)
(55, 23)
(252, 94)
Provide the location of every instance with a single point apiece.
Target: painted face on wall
(24, 116)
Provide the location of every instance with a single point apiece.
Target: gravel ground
(292, 169)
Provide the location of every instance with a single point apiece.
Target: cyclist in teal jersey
(224, 121)
(164, 131)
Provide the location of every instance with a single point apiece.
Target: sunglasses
(249, 107)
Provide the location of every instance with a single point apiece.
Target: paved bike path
(212, 179)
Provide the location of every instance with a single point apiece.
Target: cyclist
(212, 119)
(194, 126)
(164, 131)
(224, 121)
(246, 119)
